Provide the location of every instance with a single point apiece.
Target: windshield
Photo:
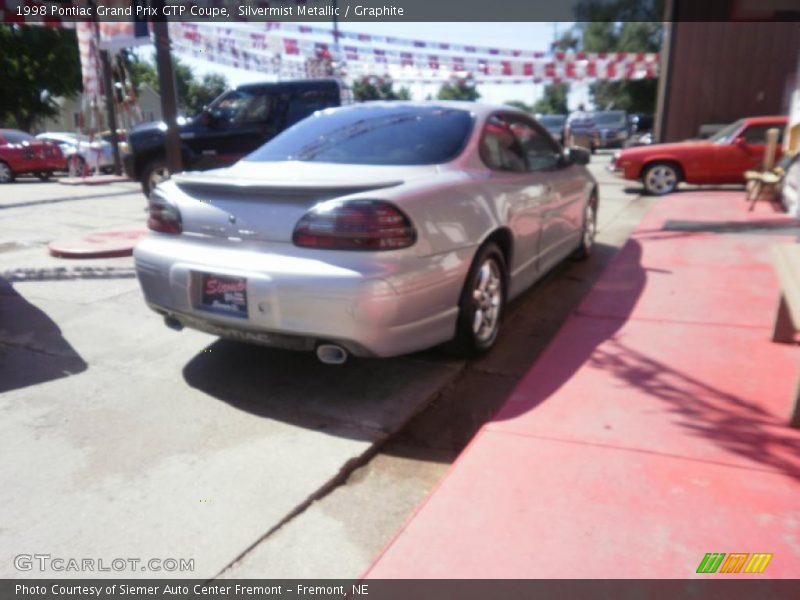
(726, 134)
(610, 118)
(16, 137)
(378, 135)
(552, 120)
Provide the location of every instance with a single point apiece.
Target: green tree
(553, 101)
(193, 94)
(459, 89)
(140, 70)
(375, 88)
(202, 92)
(39, 64)
(622, 26)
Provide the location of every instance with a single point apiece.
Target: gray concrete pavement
(125, 439)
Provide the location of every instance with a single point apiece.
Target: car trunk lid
(264, 201)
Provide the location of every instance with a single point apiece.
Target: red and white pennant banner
(460, 49)
(247, 46)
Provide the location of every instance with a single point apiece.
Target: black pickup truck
(232, 126)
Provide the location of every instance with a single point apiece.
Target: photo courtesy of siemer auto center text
(399, 299)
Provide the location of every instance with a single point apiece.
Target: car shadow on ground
(361, 399)
(365, 396)
(638, 190)
(32, 349)
(530, 323)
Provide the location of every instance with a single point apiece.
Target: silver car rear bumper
(298, 298)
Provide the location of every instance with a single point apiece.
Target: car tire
(154, 173)
(6, 174)
(481, 304)
(661, 178)
(44, 175)
(588, 230)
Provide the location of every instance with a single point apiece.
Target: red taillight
(355, 225)
(163, 216)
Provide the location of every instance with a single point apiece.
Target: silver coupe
(376, 229)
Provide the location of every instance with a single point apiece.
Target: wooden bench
(768, 178)
(786, 258)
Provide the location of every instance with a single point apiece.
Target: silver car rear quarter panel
(373, 303)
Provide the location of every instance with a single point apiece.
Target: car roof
(479, 109)
(764, 120)
(58, 134)
(301, 84)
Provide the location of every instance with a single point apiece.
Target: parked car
(374, 230)
(611, 129)
(554, 125)
(21, 153)
(723, 158)
(81, 152)
(233, 125)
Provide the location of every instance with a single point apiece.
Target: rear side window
(539, 150)
(757, 134)
(499, 148)
(306, 102)
(373, 135)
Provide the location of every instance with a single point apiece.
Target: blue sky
(535, 36)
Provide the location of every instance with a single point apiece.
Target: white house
(69, 116)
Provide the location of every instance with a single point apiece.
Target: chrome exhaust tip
(173, 323)
(331, 354)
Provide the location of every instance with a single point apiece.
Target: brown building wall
(719, 72)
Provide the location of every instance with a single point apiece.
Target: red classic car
(723, 158)
(23, 153)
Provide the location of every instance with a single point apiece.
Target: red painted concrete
(524, 507)
(101, 244)
(651, 431)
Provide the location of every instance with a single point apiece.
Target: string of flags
(269, 49)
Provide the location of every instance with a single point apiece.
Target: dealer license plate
(226, 295)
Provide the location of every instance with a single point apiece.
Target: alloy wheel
(487, 301)
(589, 228)
(661, 179)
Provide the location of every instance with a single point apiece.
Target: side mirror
(740, 141)
(575, 155)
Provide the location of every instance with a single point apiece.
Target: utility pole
(166, 84)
